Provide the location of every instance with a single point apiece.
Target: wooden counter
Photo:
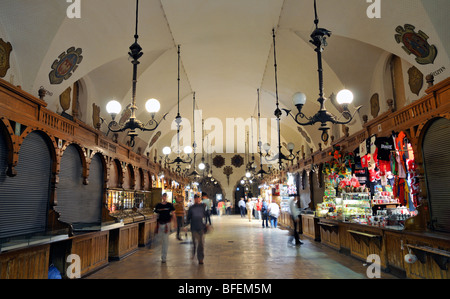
(123, 241)
(29, 263)
(147, 231)
(391, 245)
(310, 227)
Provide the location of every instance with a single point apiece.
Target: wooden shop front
(56, 176)
(426, 236)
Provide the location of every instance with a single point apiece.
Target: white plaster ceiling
(226, 53)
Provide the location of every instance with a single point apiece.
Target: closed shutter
(93, 192)
(79, 204)
(24, 198)
(69, 189)
(436, 157)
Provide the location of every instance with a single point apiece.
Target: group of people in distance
(269, 213)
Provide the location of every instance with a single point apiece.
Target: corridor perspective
(239, 249)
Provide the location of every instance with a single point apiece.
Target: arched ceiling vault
(226, 54)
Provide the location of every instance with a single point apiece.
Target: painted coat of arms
(416, 44)
(63, 68)
(5, 51)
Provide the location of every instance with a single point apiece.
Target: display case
(356, 207)
(331, 207)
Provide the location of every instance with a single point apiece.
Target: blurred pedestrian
(196, 216)
(165, 213)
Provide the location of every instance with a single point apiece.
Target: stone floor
(239, 249)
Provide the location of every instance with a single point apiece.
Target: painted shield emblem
(63, 68)
(416, 44)
(5, 51)
(415, 80)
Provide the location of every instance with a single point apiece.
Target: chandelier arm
(349, 120)
(301, 115)
(152, 121)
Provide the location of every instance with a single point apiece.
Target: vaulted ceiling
(226, 56)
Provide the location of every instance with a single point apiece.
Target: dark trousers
(265, 218)
(208, 217)
(295, 225)
(179, 225)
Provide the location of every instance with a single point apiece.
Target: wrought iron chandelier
(280, 156)
(261, 171)
(194, 144)
(344, 97)
(187, 150)
(152, 105)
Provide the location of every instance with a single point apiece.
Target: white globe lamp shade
(242, 182)
(152, 105)
(344, 97)
(167, 150)
(299, 98)
(290, 146)
(113, 107)
(201, 166)
(266, 147)
(188, 150)
(248, 174)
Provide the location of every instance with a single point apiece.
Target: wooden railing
(57, 122)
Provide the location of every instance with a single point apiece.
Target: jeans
(273, 221)
(242, 211)
(163, 235)
(198, 240)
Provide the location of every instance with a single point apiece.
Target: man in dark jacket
(196, 215)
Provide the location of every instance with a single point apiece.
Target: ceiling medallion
(219, 161)
(416, 44)
(237, 161)
(63, 68)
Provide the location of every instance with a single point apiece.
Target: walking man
(196, 214)
(165, 213)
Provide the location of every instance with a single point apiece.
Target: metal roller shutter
(24, 198)
(69, 189)
(79, 204)
(93, 192)
(436, 157)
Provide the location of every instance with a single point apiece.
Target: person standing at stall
(165, 213)
(195, 216)
(179, 213)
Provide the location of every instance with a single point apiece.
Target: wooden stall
(422, 236)
(98, 162)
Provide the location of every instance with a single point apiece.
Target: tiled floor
(239, 249)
